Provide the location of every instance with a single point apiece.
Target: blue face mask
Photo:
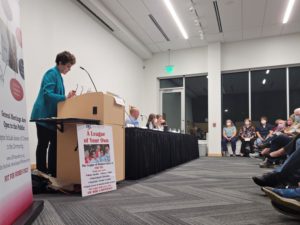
(297, 119)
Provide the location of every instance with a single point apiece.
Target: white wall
(49, 27)
(264, 52)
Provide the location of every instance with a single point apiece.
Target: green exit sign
(169, 69)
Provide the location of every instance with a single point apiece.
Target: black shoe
(286, 210)
(268, 180)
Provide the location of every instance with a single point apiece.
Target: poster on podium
(15, 176)
(96, 158)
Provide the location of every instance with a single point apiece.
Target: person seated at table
(160, 122)
(152, 121)
(247, 135)
(263, 131)
(132, 119)
(229, 135)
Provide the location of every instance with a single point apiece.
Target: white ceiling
(241, 20)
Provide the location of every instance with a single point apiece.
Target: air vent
(97, 17)
(218, 16)
(159, 27)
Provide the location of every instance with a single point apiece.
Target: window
(196, 106)
(171, 83)
(235, 97)
(268, 94)
(294, 83)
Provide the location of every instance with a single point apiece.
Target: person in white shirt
(133, 117)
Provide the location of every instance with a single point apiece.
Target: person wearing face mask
(52, 91)
(275, 142)
(247, 135)
(290, 134)
(229, 135)
(263, 132)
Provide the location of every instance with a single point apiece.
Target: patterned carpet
(206, 191)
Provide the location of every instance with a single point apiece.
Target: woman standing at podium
(51, 92)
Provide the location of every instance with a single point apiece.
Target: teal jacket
(51, 92)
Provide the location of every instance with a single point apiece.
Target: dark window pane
(170, 83)
(235, 97)
(294, 78)
(268, 94)
(196, 106)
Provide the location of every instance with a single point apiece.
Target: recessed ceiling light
(267, 71)
(176, 18)
(226, 110)
(288, 11)
(264, 81)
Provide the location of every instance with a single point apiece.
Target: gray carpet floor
(206, 191)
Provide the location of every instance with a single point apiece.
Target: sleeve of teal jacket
(49, 84)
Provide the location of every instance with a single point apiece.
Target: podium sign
(15, 178)
(96, 158)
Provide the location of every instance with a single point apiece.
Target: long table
(148, 151)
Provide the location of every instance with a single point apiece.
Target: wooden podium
(96, 106)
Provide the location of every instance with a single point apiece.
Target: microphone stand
(89, 77)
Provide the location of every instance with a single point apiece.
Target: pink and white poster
(96, 158)
(15, 176)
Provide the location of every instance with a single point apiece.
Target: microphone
(89, 77)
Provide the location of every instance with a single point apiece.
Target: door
(172, 108)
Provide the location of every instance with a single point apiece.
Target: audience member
(247, 135)
(229, 135)
(263, 132)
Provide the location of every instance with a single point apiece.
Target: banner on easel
(96, 157)
(15, 179)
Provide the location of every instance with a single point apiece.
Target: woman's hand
(71, 94)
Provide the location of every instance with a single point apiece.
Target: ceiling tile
(236, 35)
(274, 11)
(251, 33)
(214, 37)
(197, 42)
(231, 14)
(251, 8)
(153, 48)
(173, 45)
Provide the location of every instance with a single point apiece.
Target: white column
(214, 99)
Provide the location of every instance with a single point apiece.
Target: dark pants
(278, 142)
(232, 142)
(290, 170)
(244, 144)
(45, 137)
